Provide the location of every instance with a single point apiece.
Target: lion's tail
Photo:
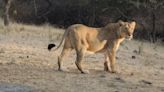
(50, 46)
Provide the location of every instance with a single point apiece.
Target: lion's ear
(120, 22)
(133, 24)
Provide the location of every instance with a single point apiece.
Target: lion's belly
(96, 46)
(90, 52)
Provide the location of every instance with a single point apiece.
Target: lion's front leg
(112, 56)
(106, 63)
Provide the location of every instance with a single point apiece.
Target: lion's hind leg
(79, 58)
(65, 52)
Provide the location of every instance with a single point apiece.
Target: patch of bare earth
(27, 66)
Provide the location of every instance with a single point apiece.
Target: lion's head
(126, 29)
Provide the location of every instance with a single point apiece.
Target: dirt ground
(27, 66)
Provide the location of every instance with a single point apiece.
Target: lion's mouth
(129, 37)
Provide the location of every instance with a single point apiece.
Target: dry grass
(53, 33)
(26, 63)
(27, 38)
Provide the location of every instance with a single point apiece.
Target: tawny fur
(95, 40)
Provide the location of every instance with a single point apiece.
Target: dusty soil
(27, 66)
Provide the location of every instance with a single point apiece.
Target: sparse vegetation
(147, 13)
(26, 64)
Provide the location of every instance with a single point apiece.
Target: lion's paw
(85, 72)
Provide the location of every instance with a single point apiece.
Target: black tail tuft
(50, 46)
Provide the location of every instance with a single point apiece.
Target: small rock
(12, 60)
(117, 57)
(21, 57)
(2, 50)
(1, 63)
(131, 74)
(27, 56)
(156, 74)
(135, 51)
(120, 79)
(133, 57)
(162, 68)
(21, 29)
(146, 82)
(102, 76)
(156, 54)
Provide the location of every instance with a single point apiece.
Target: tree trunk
(154, 27)
(6, 15)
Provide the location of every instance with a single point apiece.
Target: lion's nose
(129, 34)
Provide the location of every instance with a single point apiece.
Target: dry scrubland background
(27, 66)
(147, 13)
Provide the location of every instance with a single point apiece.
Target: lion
(104, 40)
